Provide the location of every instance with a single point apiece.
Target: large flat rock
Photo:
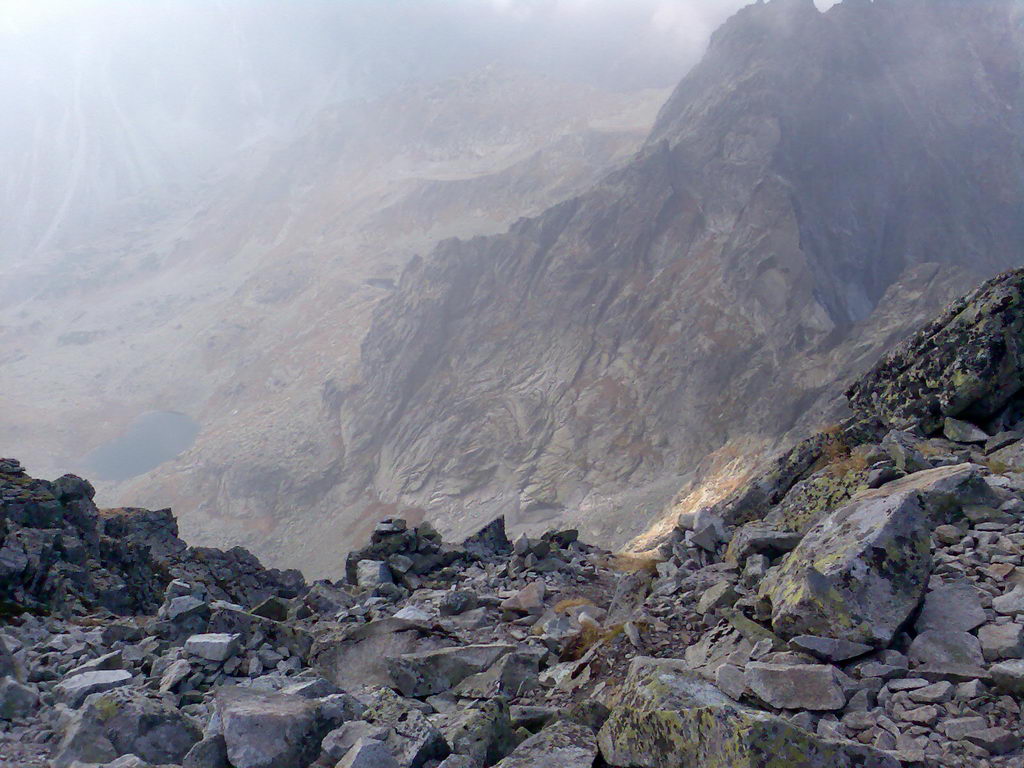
(858, 574)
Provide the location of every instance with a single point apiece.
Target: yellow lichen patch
(106, 707)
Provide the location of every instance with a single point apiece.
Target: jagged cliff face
(818, 186)
(236, 303)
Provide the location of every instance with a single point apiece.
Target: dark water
(152, 439)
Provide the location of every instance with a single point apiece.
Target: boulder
(1010, 604)
(858, 574)
(372, 573)
(563, 744)
(667, 716)
(459, 601)
(368, 753)
(631, 591)
(217, 646)
(175, 673)
(458, 761)
(995, 741)
(938, 648)
(180, 609)
(512, 675)
(269, 730)
(721, 595)
(528, 600)
(273, 608)
(339, 741)
(16, 700)
(8, 667)
(1008, 676)
(963, 432)
(73, 690)
(796, 686)
(126, 722)
(827, 649)
(490, 540)
(326, 599)
(352, 656)
(112, 660)
(966, 363)
(311, 688)
(759, 539)
(1002, 641)
(953, 606)
(411, 737)
(430, 672)
(483, 733)
(211, 752)
(667, 684)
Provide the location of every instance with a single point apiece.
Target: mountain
(209, 323)
(816, 188)
(876, 627)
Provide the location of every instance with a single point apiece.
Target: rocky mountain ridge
(860, 605)
(818, 186)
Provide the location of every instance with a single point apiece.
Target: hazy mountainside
(233, 304)
(98, 120)
(856, 606)
(815, 188)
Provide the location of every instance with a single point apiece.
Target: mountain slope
(234, 304)
(768, 241)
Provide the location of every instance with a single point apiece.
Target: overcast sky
(622, 42)
(107, 99)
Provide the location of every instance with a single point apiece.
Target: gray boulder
(368, 753)
(218, 646)
(338, 742)
(838, 583)
(1002, 641)
(483, 733)
(430, 672)
(183, 607)
(126, 722)
(953, 606)
(827, 649)
(269, 730)
(1008, 676)
(796, 686)
(939, 648)
(176, 672)
(512, 675)
(16, 700)
(372, 573)
(74, 690)
(861, 571)
(457, 602)
(563, 744)
(667, 716)
(412, 738)
(963, 431)
(354, 656)
(8, 668)
(528, 600)
(211, 752)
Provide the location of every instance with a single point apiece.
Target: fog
(105, 99)
(203, 201)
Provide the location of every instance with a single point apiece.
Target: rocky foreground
(861, 604)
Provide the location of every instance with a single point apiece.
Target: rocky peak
(799, 205)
